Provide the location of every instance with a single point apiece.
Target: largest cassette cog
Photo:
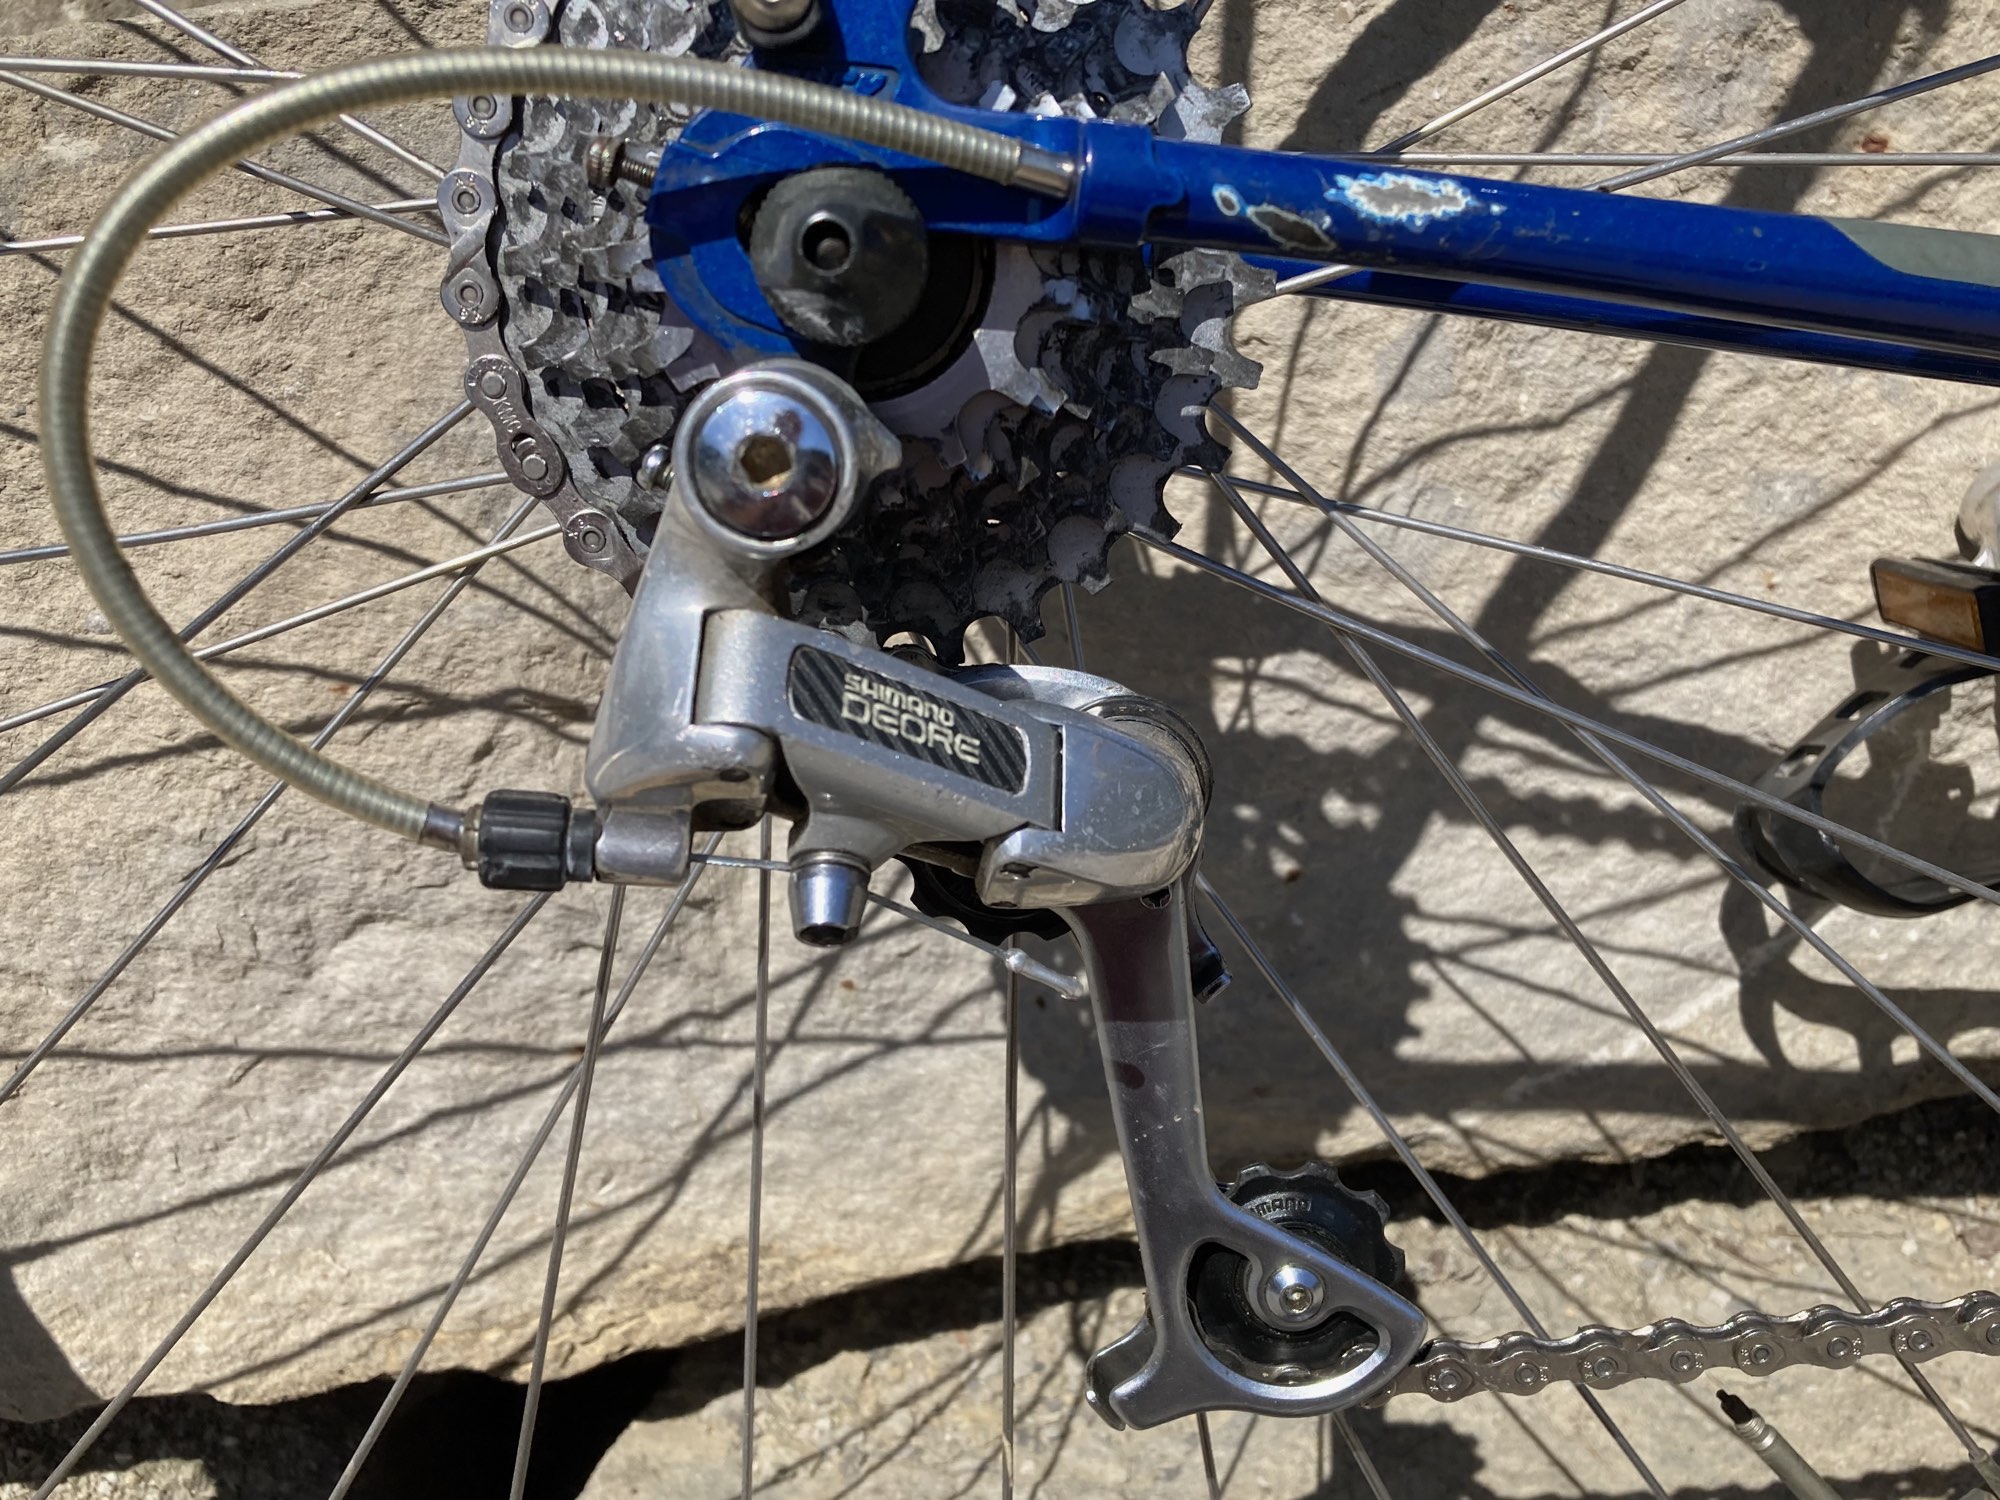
(1076, 397)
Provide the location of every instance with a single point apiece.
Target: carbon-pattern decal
(896, 716)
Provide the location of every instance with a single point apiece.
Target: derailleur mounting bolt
(1293, 1295)
(829, 897)
(765, 464)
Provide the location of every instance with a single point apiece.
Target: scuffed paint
(1399, 198)
(1227, 200)
(1288, 230)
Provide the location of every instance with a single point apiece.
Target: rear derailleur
(1027, 795)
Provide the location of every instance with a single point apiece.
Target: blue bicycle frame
(1848, 292)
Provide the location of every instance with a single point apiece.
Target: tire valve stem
(1779, 1456)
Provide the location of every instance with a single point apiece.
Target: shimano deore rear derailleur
(1044, 791)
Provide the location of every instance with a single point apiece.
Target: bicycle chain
(1830, 1338)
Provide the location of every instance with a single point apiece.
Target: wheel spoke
(352, 207)
(104, 67)
(1401, 1146)
(449, 566)
(1369, 1473)
(268, 517)
(1592, 737)
(463, 1276)
(229, 598)
(296, 218)
(1794, 126)
(1207, 1441)
(213, 862)
(586, 1074)
(1074, 625)
(1376, 516)
(757, 1099)
(1520, 80)
(358, 127)
(1534, 702)
(1010, 1148)
(292, 1194)
(1010, 1162)
(1560, 914)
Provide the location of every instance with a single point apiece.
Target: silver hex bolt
(765, 464)
(1293, 1295)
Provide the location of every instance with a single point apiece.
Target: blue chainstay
(1874, 296)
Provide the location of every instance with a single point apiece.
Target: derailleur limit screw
(656, 467)
(607, 163)
(765, 464)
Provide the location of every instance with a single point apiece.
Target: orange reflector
(1951, 602)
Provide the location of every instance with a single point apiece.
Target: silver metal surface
(1045, 172)
(764, 463)
(774, 457)
(1292, 1296)
(1135, 952)
(643, 846)
(1828, 1338)
(829, 898)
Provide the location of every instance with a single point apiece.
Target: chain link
(1750, 1343)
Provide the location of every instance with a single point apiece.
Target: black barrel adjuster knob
(534, 841)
